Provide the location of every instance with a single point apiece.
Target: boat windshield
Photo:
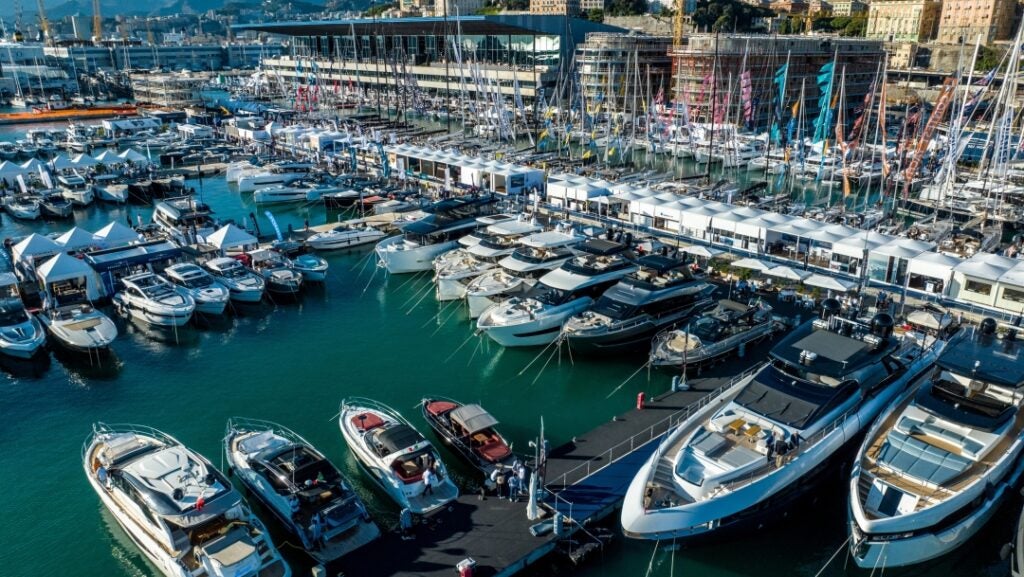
(550, 296)
(614, 309)
(197, 281)
(12, 312)
(955, 402)
(707, 329)
(784, 394)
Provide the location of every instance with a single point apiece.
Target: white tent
(830, 283)
(788, 273)
(61, 162)
(34, 246)
(752, 264)
(230, 236)
(116, 234)
(703, 251)
(84, 160)
(77, 238)
(9, 171)
(108, 157)
(133, 156)
(64, 267)
(32, 165)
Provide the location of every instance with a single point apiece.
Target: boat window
(613, 309)
(960, 404)
(198, 281)
(550, 296)
(12, 313)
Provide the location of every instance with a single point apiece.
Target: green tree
(728, 15)
(595, 15)
(857, 26)
(987, 59)
(822, 24)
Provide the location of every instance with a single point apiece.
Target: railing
(637, 440)
(104, 428)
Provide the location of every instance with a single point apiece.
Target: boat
(536, 318)
(537, 255)
(395, 455)
(53, 204)
(8, 151)
(111, 191)
(245, 285)
(21, 334)
(469, 431)
(313, 268)
(501, 240)
(184, 219)
(71, 319)
(275, 174)
(297, 484)
(438, 232)
(714, 334)
(661, 294)
(210, 296)
(301, 190)
(281, 277)
(153, 299)
(181, 512)
(344, 236)
(75, 188)
(944, 457)
(23, 207)
(764, 442)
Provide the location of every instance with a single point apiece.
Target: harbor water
(363, 333)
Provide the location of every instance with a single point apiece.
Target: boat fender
(231, 471)
(641, 399)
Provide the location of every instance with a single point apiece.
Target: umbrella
(788, 273)
(703, 251)
(752, 264)
(830, 283)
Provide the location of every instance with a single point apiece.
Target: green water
(360, 334)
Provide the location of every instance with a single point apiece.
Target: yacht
(660, 294)
(714, 334)
(151, 298)
(536, 318)
(184, 219)
(469, 431)
(110, 190)
(70, 318)
(302, 190)
(422, 240)
(276, 174)
(942, 459)
(763, 442)
(501, 240)
(21, 334)
(245, 285)
(53, 204)
(295, 482)
(395, 455)
(183, 514)
(470, 239)
(313, 268)
(75, 188)
(210, 296)
(344, 236)
(23, 207)
(8, 151)
(280, 275)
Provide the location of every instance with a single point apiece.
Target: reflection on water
(29, 369)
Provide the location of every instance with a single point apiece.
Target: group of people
(510, 482)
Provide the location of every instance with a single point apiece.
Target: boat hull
(542, 329)
(417, 259)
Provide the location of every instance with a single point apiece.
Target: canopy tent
(33, 165)
(116, 234)
(752, 264)
(905, 248)
(472, 418)
(9, 171)
(77, 238)
(930, 318)
(84, 160)
(34, 246)
(985, 266)
(108, 158)
(133, 156)
(703, 251)
(830, 283)
(61, 162)
(788, 273)
(856, 245)
(230, 236)
(933, 264)
(65, 267)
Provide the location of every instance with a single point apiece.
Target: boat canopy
(473, 418)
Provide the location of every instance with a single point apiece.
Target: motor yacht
(276, 174)
(302, 190)
(714, 334)
(941, 460)
(151, 298)
(501, 240)
(313, 268)
(438, 232)
(470, 239)
(184, 219)
(180, 511)
(395, 455)
(536, 317)
(765, 441)
(110, 190)
(280, 275)
(23, 207)
(245, 285)
(295, 482)
(21, 334)
(210, 296)
(344, 236)
(70, 318)
(52, 204)
(660, 294)
(75, 188)
(469, 431)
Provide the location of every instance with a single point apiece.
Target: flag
(746, 93)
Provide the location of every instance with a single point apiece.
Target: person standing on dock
(513, 486)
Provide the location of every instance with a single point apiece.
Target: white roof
(703, 251)
(116, 234)
(788, 273)
(986, 266)
(933, 264)
(8, 168)
(61, 162)
(230, 236)
(77, 238)
(514, 227)
(84, 160)
(1014, 276)
(752, 264)
(855, 245)
(131, 155)
(828, 282)
(905, 248)
(63, 267)
(32, 165)
(35, 245)
(108, 157)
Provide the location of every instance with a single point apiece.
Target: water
(360, 334)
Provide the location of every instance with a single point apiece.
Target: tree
(595, 15)
(987, 59)
(626, 7)
(728, 15)
(856, 26)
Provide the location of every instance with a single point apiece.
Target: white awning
(933, 265)
(830, 283)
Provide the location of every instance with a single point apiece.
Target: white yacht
(183, 514)
(23, 207)
(210, 296)
(151, 298)
(438, 232)
(21, 334)
(110, 189)
(282, 173)
(765, 441)
(536, 318)
(279, 273)
(395, 455)
(75, 188)
(942, 459)
(184, 219)
(501, 240)
(70, 318)
(345, 236)
(537, 255)
(313, 268)
(305, 492)
(245, 285)
(470, 239)
(302, 190)
(714, 334)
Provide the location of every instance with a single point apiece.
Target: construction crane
(97, 22)
(44, 24)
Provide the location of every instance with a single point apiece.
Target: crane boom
(97, 21)
(44, 24)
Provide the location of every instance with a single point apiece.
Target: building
(789, 6)
(169, 90)
(91, 57)
(618, 70)
(849, 7)
(966, 20)
(819, 8)
(903, 20)
(27, 67)
(496, 53)
(562, 7)
(457, 7)
(695, 84)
